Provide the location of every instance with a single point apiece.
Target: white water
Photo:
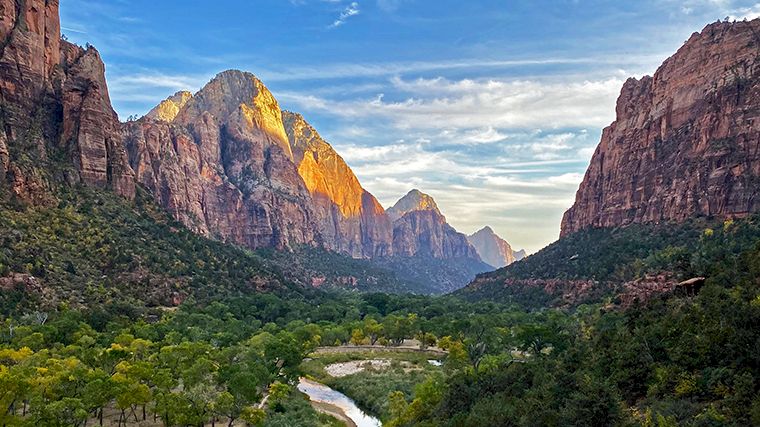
(322, 393)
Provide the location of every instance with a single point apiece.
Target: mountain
(223, 165)
(419, 229)
(686, 141)
(168, 109)
(58, 124)
(350, 219)
(427, 250)
(519, 255)
(681, 160)
(414, 200)
(492, 249)
(225, 162)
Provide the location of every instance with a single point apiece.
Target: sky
(494, 108)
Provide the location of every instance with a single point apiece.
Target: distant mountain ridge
(493, 249)
(419, 229)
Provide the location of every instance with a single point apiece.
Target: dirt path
(379, 348)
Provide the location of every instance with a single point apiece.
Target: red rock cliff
(419, 229)
(54, 104)
(222, 165)
(350, 219)
(686, 142)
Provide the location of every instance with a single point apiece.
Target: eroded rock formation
(421, 230)
(686, 141)
(58, 124)
(223, 165)
(350, 219)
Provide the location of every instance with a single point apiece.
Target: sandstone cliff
(168, 109)
(421, 230)
(492, 249)
(686, 141)
(58, 124)
(223, 166)
(415, 200)
(350, 219)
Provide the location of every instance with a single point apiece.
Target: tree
(372, 329)
(357, 337)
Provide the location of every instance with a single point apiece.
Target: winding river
(322, 394)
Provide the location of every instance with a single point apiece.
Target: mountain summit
(419, 229)
(415, 200)
(492, 249)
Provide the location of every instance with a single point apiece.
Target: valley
(216, 261)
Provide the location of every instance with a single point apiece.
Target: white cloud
(743, 13)
(157, 80)
(350, 10)
(515, 104)
(342, 70)
(519, 195)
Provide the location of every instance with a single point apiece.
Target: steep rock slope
(223, 166)
(421, 230)
(58, 124)
(168, 109)
(492, 249)
(686, 141)
(415, 200)
(350, 219)
(427, 250)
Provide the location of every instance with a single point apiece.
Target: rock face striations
(226, 161)
(492, 249)
(419, 229)
(686, 141)
(58, 124)
(350, 219)
(221, 163)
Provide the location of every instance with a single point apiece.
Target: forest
(99, 344)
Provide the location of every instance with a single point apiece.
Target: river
(321, 393)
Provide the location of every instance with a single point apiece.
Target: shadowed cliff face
(350, 219)
(223, 166)
(58, 124)
(686, 142)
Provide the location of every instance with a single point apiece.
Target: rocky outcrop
(415, 200)
(492, 249)
(58, 124)
(168, 109)
(686, 141)
(223, 166)
(520, 255)
(91, 130)
(350, 219)
(422, 231)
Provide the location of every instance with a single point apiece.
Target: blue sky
(492, 107)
